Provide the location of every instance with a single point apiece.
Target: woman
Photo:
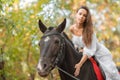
(84, 38)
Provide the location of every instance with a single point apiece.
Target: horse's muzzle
(44, 68)
(43, 74)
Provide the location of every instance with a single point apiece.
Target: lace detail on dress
(77, 41)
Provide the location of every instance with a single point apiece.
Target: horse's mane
(66, 37)
(71, 44)
(50, 28)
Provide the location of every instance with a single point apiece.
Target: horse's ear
(42, 27)
(61, 27)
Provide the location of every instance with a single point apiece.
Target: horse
(56, 49)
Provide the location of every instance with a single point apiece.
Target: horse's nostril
(41, 66)
(44, 65)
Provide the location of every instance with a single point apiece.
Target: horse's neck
(71, 58)
(71, 55)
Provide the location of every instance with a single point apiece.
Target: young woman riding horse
(56, 49)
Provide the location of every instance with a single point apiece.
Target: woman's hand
(81, 50)
(78, 65)
(77, 71)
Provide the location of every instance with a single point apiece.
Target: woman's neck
(79, 26)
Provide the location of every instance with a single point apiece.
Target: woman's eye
(79, 13)
(85, 15)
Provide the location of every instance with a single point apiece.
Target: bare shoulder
(72, 27)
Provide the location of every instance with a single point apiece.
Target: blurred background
(19, 32)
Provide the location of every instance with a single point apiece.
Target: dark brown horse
(56, 49)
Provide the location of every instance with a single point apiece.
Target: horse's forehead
(50, 38)
(47, 39)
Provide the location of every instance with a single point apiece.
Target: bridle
(60, 56)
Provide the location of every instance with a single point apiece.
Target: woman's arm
(87, 53)
(79, 65)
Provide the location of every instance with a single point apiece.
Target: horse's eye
(39, 44)
(56, 41)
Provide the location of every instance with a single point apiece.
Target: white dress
(101, 53)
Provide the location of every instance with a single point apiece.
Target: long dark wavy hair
(87, 27)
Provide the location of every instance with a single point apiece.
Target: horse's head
(51, 47)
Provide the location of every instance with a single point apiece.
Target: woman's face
(81, 16)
